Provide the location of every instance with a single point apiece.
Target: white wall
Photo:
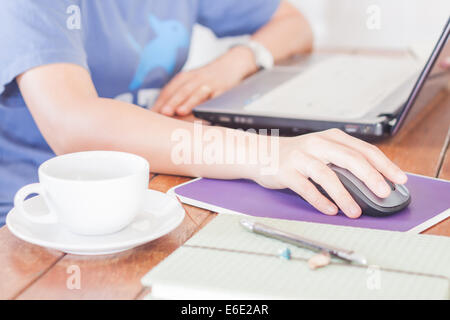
(352, 23)
(402, 22)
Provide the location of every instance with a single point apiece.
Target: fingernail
(167, 110)
(355, 211)
(331, 210)
(402, 177)
(447, 61)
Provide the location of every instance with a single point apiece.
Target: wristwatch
(263, 57)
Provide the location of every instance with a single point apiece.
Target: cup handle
(19, 201)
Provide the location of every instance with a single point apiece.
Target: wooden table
(31, 272)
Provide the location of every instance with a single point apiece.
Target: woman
(63, 63)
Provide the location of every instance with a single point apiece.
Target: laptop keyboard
(345, 86)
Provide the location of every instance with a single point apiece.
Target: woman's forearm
(286, 34)
(71, 117)
(65, 106)
(171, 146)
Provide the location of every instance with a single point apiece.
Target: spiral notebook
(430, 203)
(225, 261)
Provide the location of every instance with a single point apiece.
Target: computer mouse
(370, 204)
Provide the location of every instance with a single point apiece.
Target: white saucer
(160, 215)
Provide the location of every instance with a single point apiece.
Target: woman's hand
(307, 156)
(189, 89)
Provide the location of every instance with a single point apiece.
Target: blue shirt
(129, 48)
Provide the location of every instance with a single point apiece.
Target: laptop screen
(430, 73)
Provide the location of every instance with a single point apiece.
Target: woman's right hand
(307, 156)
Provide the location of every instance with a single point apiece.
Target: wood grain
(21, 263)
(445, 168)
(165, 182)
(109, 277)
(443, 228)
(115, 276)
(417, 147)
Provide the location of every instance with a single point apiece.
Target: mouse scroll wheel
(391, 184)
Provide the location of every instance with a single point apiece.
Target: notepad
(225, 261)
(430, 203)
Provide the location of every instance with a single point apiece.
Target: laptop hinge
(392, 122)
(390, 119)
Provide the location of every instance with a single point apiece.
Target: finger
(445, 63)
(374, 155)
(200, 95)
(300, 185)
(217, 93)
(328, 180)
(355, 162)
(182, 95)
(170, 88)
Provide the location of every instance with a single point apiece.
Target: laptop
(364, 95)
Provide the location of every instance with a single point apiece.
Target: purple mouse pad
(430, 203)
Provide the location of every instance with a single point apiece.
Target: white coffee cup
(90, 193)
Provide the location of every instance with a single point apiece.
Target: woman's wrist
(243, 60)
(238, 154)
(261, 154)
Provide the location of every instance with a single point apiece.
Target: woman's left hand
(191, 88)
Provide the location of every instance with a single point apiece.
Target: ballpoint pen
(346, 255)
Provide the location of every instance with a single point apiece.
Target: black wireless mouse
(370, 204)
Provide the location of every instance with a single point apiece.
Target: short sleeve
(34, 33)
(235, 17)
